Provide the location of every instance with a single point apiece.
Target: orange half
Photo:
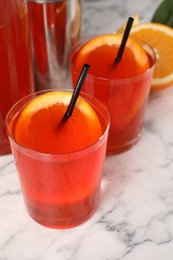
(160, 38)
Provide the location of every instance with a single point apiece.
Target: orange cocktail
(56, 21)
(16, 77)
(59, 162)
(123, 86)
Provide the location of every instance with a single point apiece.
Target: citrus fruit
(160, 37)
(39, 125)
(106, 48)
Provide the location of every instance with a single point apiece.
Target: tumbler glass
(60, 190)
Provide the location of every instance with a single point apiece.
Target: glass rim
(149, 50)
(72, 155)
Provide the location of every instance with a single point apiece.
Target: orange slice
(105, 42)
(38, 126)
(160, 37)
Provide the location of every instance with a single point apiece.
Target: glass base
(63, 216)
(59, 223)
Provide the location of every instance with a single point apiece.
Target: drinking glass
(60, 190)
(125, 98)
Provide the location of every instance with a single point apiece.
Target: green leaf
(164, 13)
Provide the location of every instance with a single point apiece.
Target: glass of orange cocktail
(59, 162)
(122, 86)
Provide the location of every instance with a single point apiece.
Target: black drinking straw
(76, 91)
(124, 39)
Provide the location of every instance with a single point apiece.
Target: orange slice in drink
(38, 125)
(160, 37)
(107, 46)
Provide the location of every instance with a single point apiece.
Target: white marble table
(134, 220)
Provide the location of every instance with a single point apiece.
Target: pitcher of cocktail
(16, 77)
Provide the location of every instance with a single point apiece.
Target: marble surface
(135, 215)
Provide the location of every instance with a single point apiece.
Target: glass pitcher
(16, 71)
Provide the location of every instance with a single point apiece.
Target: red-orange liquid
(60, 191)
(16, 78)
(126, 101)
(55, 19)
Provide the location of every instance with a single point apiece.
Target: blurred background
(100, 16)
